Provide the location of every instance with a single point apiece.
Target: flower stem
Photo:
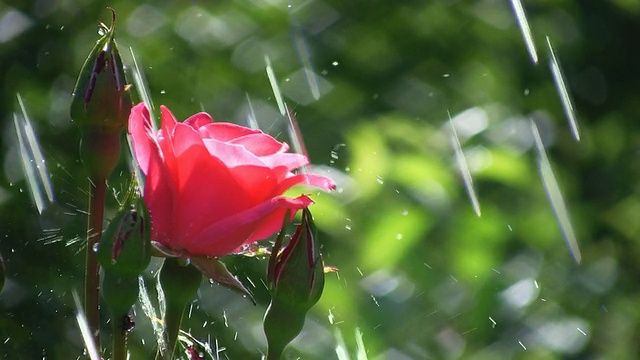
(172, 321)
(119, 339)
(91, 280)
(180, 285)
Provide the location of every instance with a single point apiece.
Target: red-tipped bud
(296, 281)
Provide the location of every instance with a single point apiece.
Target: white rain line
(274, 86)
(303, 53)
(147, 307)
(555, 197)
(521, 16)
(143, 91)
(361, 353)
(252, 120)
(296, 138)
(461, 161)
(563, 92)
(33, 162)
(83, 324)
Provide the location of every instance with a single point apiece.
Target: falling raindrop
(464, 168)
(524, 28)
(303, 54)
(555, 196)
(563, 92)
(274, 85)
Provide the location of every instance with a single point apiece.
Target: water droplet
(335, 63)
(399, 236)
(446, 75)
(379, 180)
(405, 212)
(163, 92)
(348, 227)
(96, 246)
(334, 155)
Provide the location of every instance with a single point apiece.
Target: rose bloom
(212, 187)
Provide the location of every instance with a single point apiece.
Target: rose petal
(159, 195)
(168, 120)
(314, 180)
(199, 120)
(250, 225)
(206, 190)
(260, 144)
(232, 155)
(258, 181)
(226, 131)
(139, 126)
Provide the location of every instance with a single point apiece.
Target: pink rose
(213, 187)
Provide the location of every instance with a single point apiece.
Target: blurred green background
(421, 276)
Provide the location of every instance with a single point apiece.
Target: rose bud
(125, 247)
(296, 280)
(124, 253)
(101, 104)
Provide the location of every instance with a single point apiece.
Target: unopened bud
(296, 281)
(125, 247)
(101, 104)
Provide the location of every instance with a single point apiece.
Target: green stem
(180, 285)
(91, 279)
(172, 321)
(119, 338)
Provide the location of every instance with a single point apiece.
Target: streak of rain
(143, 90)
(521, 16)
(296, 138)
(555, 197)
(252, 120)
(83, 324)
(274, 86)
(563, 92)
(361, 353)
(303, 53)
(461, 161)
(33, 163)
(151, 313)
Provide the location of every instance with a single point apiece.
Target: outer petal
(159, 195)
(141, 136)
(259, 182)
(250, 225)
(318, 181)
